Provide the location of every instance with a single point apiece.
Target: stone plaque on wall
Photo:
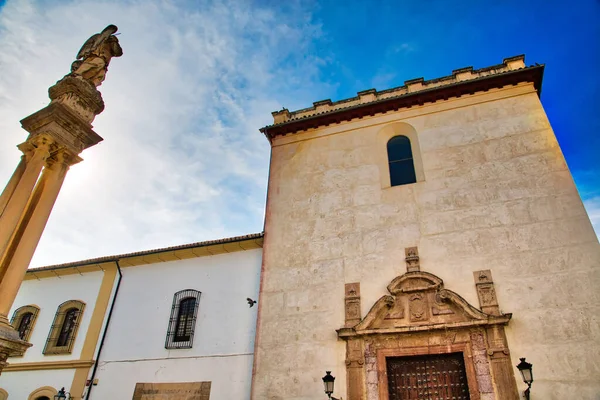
(172, 391)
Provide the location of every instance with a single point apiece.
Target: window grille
(68, 325)
(23, 320)
(24, 324)
(64, 328)
(400, 159)
(180, 332)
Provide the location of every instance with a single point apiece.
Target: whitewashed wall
(20, 385)
(134, 350)
(48, 294)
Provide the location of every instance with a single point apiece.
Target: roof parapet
(410, 86)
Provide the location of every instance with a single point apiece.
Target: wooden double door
(428, 377)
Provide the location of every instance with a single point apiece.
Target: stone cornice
(42, 365)
(63, 126)
(491, 320)
(415, 92)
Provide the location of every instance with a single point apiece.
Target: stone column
(12, 184)
(18, 256)
(58, 133)
(35, 152)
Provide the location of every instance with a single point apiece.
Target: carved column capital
(62, 158)
(40, 145)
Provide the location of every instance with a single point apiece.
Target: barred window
(180, 333)
(400, 159)
(24, 324)
(64, 328)
(23, 320)
(68, 325)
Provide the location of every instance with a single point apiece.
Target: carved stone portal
(421, 317)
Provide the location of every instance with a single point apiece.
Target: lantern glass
(328, 382)
(527, 376)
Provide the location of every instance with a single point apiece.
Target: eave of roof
(256, 237)
(532, 74)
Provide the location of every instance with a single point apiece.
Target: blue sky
(383, 43)
(183, 160)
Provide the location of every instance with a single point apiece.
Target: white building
(175, 315)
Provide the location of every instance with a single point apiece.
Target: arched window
(43, 393)
(64, 328)
(23, 320)
(400, 160)
(180, 333)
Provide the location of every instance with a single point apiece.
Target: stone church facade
(418, 241)
(486, 251)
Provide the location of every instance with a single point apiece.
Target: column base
(10, 342)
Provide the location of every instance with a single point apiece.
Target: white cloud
(182, 158)
(592, 206)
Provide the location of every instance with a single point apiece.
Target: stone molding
(44, 365)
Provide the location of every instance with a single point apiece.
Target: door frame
(463, 348)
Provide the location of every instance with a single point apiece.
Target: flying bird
(250, 302)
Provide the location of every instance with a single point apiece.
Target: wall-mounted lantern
(525, 369)
(62, 395)
(328, 382)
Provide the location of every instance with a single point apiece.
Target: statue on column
(95, 55)
(57, 133)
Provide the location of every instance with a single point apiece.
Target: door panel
(430, 377)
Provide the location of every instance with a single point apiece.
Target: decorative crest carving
(430, 306)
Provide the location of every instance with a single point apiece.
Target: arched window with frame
(23, 320)
(400, 161)
(180, 333)
(64, 328)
